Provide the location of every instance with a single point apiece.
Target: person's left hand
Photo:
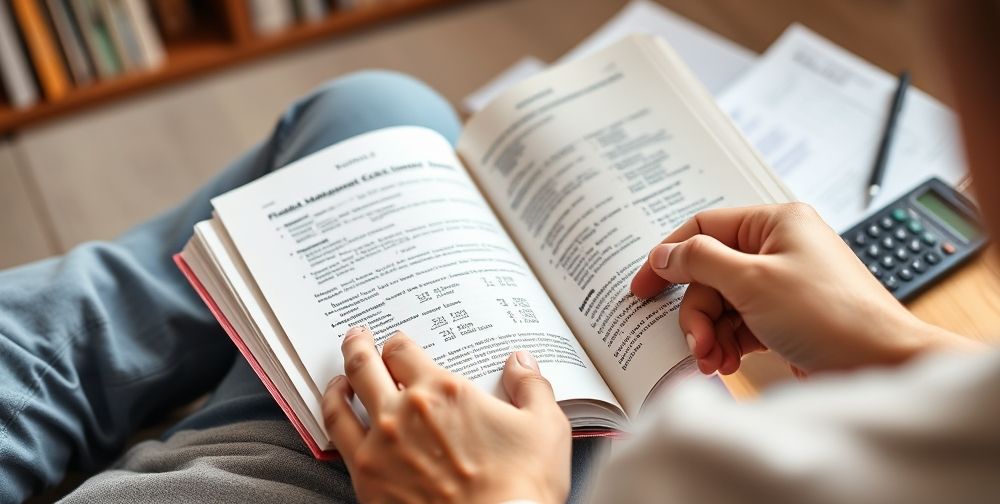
(436, 437)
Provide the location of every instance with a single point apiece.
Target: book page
(387, 230)
(591, 164)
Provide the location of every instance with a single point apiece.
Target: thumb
(524, 383)
(704, 260)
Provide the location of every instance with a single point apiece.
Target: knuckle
(365, 461)
(331, 415)
(356, 362)
(396, 343)
(798, 209)
(534, 380)
(451, 386)
(388, 427)
(418, 399)
(698, 244)
(334, 407)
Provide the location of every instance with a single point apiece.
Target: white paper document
(816, 113)
(522, 69)
(714, 59)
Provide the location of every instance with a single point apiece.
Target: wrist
(523, 493)
(922, 337)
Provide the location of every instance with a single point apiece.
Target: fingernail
(354, 331)
(334, 381)
(525, 359)
(690, 339)
(660, 255)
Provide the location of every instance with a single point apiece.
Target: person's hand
(778, 277)
(436, 437)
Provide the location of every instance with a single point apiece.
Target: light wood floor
(93, 175)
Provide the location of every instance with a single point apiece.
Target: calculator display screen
(937, 206)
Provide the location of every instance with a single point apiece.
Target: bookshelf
(226, 39)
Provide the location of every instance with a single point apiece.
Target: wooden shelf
(212, 51)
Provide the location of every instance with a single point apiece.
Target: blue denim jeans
(110, 336)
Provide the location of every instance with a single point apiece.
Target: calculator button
(860, 238)
(902, 255)
(888, 243)
(885, 222)
(929, 238)
(872, 251)
(888, 262)
(918, 266)
(874, 231)
(915, 227)
(891, 283)
(948, 248)
(914, 245)
(932, 258)
(905, 274)
(899, 215)
(875, 269)
(900, 234)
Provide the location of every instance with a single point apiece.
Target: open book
(524, 237)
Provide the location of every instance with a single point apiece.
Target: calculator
(917, 239)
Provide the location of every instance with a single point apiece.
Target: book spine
(42, 48)
(175, 18)
(312, 10)
(271, 16)
(150, 44)
(95, 34)
(120, 34)
(14, 68)
(72, 45)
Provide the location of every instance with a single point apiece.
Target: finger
(700, 258)
(711, 362)
(406, 361)
(708, 261)
(524, 383)
(364, 367)
(747, 341)
(342, 425)
(699, 309)
(646, 283)
(738, 228)
(725, 329)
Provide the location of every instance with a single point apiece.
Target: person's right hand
(778, 277)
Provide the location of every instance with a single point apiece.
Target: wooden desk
(890, 35)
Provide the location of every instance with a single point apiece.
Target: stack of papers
(816, 114)
(813, 110)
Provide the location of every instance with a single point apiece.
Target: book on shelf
(524, 236)
(151, 50)
(174, 18)
(271, 16)
(123, 38)
(135, 39)
(15, 72)
(42, 48)
(311, 10)
(97, 37)
(71, 42)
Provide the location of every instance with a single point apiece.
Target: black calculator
(918, 238)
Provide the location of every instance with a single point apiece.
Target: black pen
(882, 158)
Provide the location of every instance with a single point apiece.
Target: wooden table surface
(891, 35)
